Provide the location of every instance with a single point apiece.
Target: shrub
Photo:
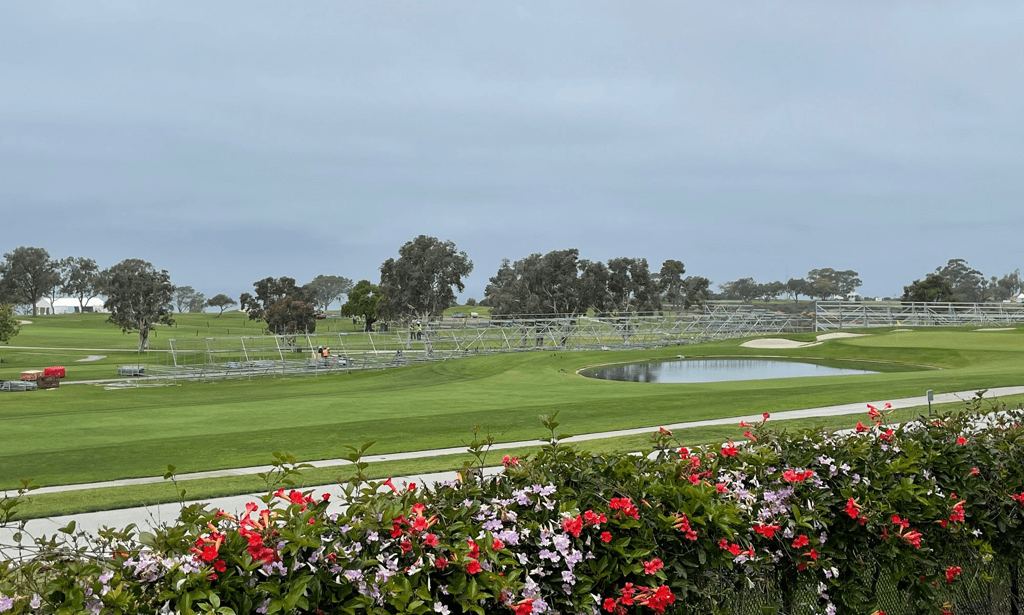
(809, 521)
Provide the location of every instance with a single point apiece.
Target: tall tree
(968, 284)
(363, 301)
(933, 288)
(1008, 286)
(799, 286)
(326, 289)
(770, 290)
(827, 282)
(287, 316)
(744, 289)
(268, 292)
(188, 299)
(138, 296)
(631, 286)
(221, 301)
(421, 283)
(27, 275)
(81, 279)
(9, 325)
(698, 291)
(670, 282)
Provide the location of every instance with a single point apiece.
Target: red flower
(975, 471)
(219, 565)
(606, 536)
(430, 540)
(474, 549)
(953, 572)
(730, 450)
(801, 541)
(694, 479)
(961, 440)
(860, 427)
(764, 417)
(525, 607)
(1019, 497)
(812, 554)
(768, 531)
(325, 497)
(509, 461)
(903, 523)
(406, 546)
(609, 604)
(497, 545)
(957, 514)
(390, 485)
(473, 567)
(747, 434)
(573, 525)
(419, 524)
(735, 549)
(653, 566)
(440, 563)
(887, 436)
(720, 487)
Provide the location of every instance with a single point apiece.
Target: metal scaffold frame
(248, 356)
(830, 315)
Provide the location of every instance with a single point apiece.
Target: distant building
(67, 305)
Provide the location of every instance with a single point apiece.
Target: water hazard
(715, 370)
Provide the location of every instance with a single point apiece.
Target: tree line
(427, 275)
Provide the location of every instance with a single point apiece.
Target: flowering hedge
(810, 521)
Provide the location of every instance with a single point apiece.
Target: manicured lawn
(83, 433)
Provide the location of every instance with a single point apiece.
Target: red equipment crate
(57, 371)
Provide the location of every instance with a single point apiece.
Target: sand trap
(1002, 329)
(24, 322)
(832, 336)
(92, 357)
(777, 344)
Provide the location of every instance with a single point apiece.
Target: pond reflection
(715, 370)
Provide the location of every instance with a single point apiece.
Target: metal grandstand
(829, 315)
(249, 356)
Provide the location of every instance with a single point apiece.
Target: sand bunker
(1002, 329)
(92, 357)
(777, 344)
(832, 336)
(24, 322)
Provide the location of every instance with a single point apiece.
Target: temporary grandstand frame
(829, 315)
(301, 354)
(248, 356)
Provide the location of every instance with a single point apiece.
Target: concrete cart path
(838, 410)
(148, 516)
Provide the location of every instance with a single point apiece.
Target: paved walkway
(147, 516)
(839, 410)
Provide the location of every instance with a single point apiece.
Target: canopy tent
(68, 305)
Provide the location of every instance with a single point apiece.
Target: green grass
(83, 433)
(72, 502)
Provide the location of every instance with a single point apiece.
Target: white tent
(68, 305)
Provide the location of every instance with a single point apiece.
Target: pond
(714, 370)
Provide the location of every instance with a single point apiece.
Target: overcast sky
(230, 141)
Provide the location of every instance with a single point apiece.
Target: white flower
(440, 608)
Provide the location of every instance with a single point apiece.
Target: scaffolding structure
(830, 315)
(302, 353)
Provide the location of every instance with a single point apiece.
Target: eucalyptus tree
(423, 280)
(27, 275)
(139, 297)
(81, 279)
